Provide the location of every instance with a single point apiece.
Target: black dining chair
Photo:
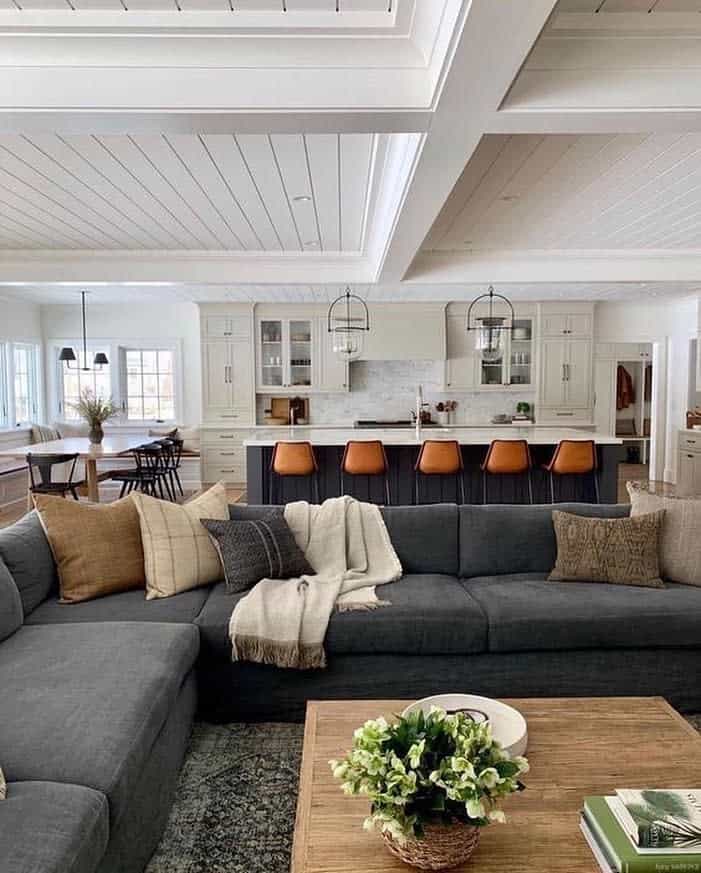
(141, 477)
(41, 473)
(172, 458)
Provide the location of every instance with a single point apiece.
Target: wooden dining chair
(41, 473)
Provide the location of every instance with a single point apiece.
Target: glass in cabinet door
(271, 353)
(521, 352)
(300, 341)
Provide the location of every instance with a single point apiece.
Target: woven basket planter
(442, 847)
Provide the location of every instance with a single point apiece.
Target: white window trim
(113, 347)
(169, 346)
(35, 370)
(4, 386)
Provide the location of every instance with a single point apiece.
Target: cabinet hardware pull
(564, 413)
(227, 454)
(226, 436)
(229, 416)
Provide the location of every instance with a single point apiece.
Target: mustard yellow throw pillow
(178, 553)
(97, 547)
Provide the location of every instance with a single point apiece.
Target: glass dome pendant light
(68, 356)
(490, 328)
(348, 320)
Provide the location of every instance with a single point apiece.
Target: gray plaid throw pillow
(255, 550)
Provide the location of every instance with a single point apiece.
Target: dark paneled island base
(434, 489)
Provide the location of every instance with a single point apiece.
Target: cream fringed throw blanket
(283, 622)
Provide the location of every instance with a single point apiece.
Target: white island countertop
(546, 436)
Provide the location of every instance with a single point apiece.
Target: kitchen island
(402, 446)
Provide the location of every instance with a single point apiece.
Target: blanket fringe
(361, 607)
(290, 655)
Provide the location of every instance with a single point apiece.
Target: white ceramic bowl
(508, 725)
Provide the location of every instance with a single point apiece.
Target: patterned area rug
(235, 808)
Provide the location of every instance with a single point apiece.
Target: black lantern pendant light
(68, 356)
(491, 329)
(348, 320)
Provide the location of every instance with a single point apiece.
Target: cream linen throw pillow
(178, 553)
(680, 546)
(3, 786)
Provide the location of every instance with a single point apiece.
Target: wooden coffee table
(577, 746)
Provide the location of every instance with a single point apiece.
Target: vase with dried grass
(95, 411)
(433, 782)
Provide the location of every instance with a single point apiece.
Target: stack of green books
(645, 830)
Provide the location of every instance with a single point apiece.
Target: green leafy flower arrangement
(93, 409)
(428, 769)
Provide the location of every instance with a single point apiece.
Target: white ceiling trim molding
(180, 267)
(557, 266)
(628, 22)
(541, 120)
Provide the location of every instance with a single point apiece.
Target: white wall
(169, 321)
(669, 326)
(19, 320)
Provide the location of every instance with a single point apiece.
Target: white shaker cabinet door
(460, 366)
(578, 372)
(218, 376)
(554, 373)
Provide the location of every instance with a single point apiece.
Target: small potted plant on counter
(445, 410)
(433, 781)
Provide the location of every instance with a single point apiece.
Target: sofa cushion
(127, 606)
(499, 539)
(525, 612)
(47, 827)
(11, 613)
(27, 555)
(84, 703)
(429, 614)
(425, 538)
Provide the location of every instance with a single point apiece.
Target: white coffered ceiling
(253, 193)
(418, 149)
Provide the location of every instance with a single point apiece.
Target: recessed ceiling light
(302, 198)
(312, 244)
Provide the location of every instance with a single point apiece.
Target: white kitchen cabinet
(566, 373)
(331, 373)
(460, 367)
(224, 456)
(285, 354)
(219, 326)
(688, 472)
(570, 324)
(227, 372)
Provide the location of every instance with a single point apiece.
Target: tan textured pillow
(3, 786)
(623, 551)
(680, 548)
(178, 553)
(97, 547)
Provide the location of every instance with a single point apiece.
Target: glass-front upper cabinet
(285, 356)
(515, 365)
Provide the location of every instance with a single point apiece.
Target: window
(74, 381)
(25, 382)
(148, 391)
(4, 403)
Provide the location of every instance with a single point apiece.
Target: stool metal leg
(387, 494)
(484, 487)
(596, 486)
(315, 487)
(461, 483)
(552, 488)
(530, 486)
(417, 498)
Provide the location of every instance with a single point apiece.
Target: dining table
(112, 446)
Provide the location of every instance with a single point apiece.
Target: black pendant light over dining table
(68, 356)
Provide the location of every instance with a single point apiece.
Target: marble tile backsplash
(387, 390)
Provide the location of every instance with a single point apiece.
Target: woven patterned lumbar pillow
(680, 548)
(255, 550)
(178, 553)
(97, 547)
(623, 551)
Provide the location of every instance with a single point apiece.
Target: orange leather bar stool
(574, 458)
(294, 459)
(440, 458)
(365, 458)
(507, 458)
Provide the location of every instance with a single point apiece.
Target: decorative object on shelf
(348, 320)
(67, 354)
(444, 410)
(523, 412)
(490, 328)
(96, 411)
(433, 780)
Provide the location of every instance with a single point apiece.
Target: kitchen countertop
(407, 437)
(584, 426)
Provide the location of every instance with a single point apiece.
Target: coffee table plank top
(576, 747)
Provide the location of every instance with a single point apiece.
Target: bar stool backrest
(293, 459)
(573, 457)
(439, 457)
(507, 457)
(364, 458)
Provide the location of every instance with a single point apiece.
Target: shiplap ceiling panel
(89, 5)
(629, 6)
(288, 192)
(633, 191)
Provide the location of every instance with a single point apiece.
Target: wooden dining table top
(112, 446)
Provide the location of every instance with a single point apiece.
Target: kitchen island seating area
(406, 471)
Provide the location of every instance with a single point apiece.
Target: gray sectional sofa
(97, 699)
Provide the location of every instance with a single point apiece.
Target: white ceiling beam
(180, 267)
(495, 41)
(484, 267)
(583, 121)
(628, 22)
